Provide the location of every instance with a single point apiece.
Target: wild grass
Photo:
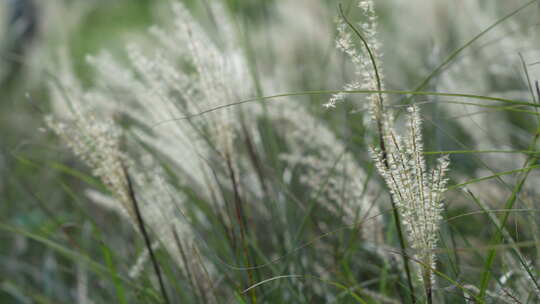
(274, 152)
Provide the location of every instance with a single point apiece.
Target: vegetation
(294, 151)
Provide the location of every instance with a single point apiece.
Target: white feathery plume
(185, 73)
(336, 180)
(83, 120)
(367, 59)
(416, 191)
(96, 141)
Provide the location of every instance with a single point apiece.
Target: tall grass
(228, 156)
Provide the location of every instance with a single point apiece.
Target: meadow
(277, 151)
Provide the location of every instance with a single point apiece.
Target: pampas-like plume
(97, 143)
(416, 191)
(84, 121)
(334, 175)
(186, 72)
(367, 63)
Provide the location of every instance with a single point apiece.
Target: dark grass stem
(241, 217)
(196, 291)
(140, 223)
(380, 129)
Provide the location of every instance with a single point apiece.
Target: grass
(264, 230)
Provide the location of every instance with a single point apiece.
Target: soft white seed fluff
(369, 71)
(416, 191)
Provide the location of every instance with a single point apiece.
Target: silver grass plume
(85, 123)
(96, 142)
(367, 60)
(185, 72)
(336, 180)
(417, 192)
(91, 135)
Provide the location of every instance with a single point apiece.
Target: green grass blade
(118, 284)
(73, 255)
(476, 180)
(330, 92)
(455, 53)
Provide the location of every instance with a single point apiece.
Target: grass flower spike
(367, 63)
(416, 192)
(97, 143)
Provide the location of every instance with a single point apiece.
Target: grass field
(281, 151)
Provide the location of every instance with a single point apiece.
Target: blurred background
(290, 46)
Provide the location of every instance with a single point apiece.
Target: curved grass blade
(455, 53)
(476, 180)
(329, 92)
